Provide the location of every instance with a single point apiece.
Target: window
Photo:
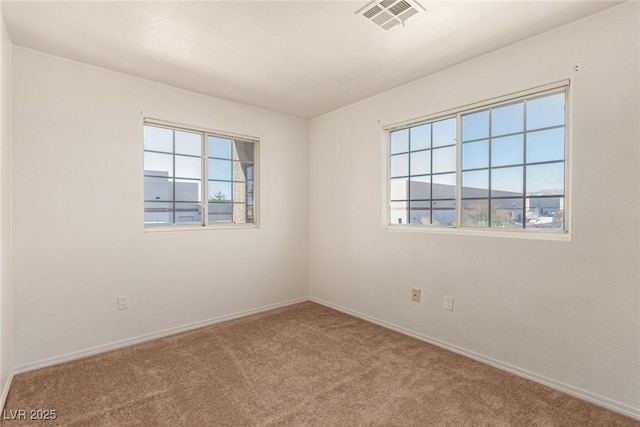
(197, 177)
(497, 165)
(423, 173)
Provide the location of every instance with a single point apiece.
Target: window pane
(158, 139)
(444, 186)
(475, 213)
(421, 162)
(158, 164)
(420, 212)
(220, 169)
(250, 191)
(243, 151)
(507, 150)
(475, 184)
(187, 190)
(545, 179)
(443, 212)
(174, 176)
(506, 213)
(421, 137)
(444, 132)
(400, 165)
(398, 189)
(398, 212)
(444, 159)
(475, 126)
(188, 213)
(220, 212)
(188, 143)
(506, 182)
(400, 141)
(219, 191)
(546, 145)
(545, 112)
(507, 119)
(420, 187)
(188, 167)
(219, 147)
(475, 155)
(511, 153)
(546, 213)
(158, 213)
(158, 188)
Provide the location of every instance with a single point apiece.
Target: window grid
(177, 206)
(416, 204)
(232, 180)
(169, 209)
(520, 204)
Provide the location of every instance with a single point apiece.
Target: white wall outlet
(123, 302)
(447, 303)
(415, 295)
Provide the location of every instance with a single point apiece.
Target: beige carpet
(300, 365)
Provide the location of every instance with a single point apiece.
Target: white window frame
(204, 224)
(539, 234)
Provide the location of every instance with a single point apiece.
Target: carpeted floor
(295, 366)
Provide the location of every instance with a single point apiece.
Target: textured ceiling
(303, 58)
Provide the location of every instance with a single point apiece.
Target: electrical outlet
(123, 302)
(415, 295)
(447, 303)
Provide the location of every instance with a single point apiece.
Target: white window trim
(217, 226)
(537, 234)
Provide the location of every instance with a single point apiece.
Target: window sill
(478, 232)
(196, 227)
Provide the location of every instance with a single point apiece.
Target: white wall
(78, 213)
(567, 312)
(6, 271)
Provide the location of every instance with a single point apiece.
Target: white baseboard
(5, 391)
(618, 407)
(147, 337)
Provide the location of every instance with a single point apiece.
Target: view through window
(196, 177)
(507, 159)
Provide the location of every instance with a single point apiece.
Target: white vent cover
(389, 13)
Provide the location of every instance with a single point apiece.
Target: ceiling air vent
(389, 13)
